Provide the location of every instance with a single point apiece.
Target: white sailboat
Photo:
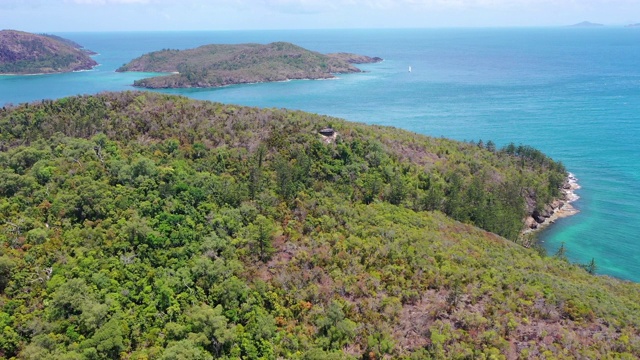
(409, 68)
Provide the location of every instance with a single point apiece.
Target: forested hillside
(145, 226)
(26, 53)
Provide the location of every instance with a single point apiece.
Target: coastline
(54, 73)
(332, 77)
(560, 208)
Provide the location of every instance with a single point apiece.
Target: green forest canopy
(147, 226)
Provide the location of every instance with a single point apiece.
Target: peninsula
(221, 65)
(142, 225)
(25, 53)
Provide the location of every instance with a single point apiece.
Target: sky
(169, 15)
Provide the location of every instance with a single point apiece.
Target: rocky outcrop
(559, 208)
(539, 217)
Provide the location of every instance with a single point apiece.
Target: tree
(371, 187)
(397, 190)
(262, 231)
(255, 171)
(561, 253)
(455, 203)
(491, 146)
(6, 266)
(185, 350)
(285, 186)
(9, 339)
(108, 341)
(70, 297)
(591, 267)
(209, 328)
(335, 327)
(435, 195)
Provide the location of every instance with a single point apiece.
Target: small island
(23, 53)
(221, 65)
(586, 24)
(633, 25)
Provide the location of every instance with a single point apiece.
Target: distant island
(221, 65)
(26, 53)
(586, 24)
(633, 25)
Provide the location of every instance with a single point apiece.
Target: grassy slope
(25, 53)
(220, 65)
(148, 226)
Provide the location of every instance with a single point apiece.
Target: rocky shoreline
(560, 208)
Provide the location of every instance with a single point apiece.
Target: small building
(327, 132)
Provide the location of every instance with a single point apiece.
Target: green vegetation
(25, 53)
(220, 65)
(146, 226)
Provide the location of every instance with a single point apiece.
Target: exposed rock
(530, 200)
(559, 208)
(531, 223)
(538, 217)
(558, 204)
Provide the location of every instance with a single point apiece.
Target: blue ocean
(572, 93)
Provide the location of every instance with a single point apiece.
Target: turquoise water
(572, 93)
